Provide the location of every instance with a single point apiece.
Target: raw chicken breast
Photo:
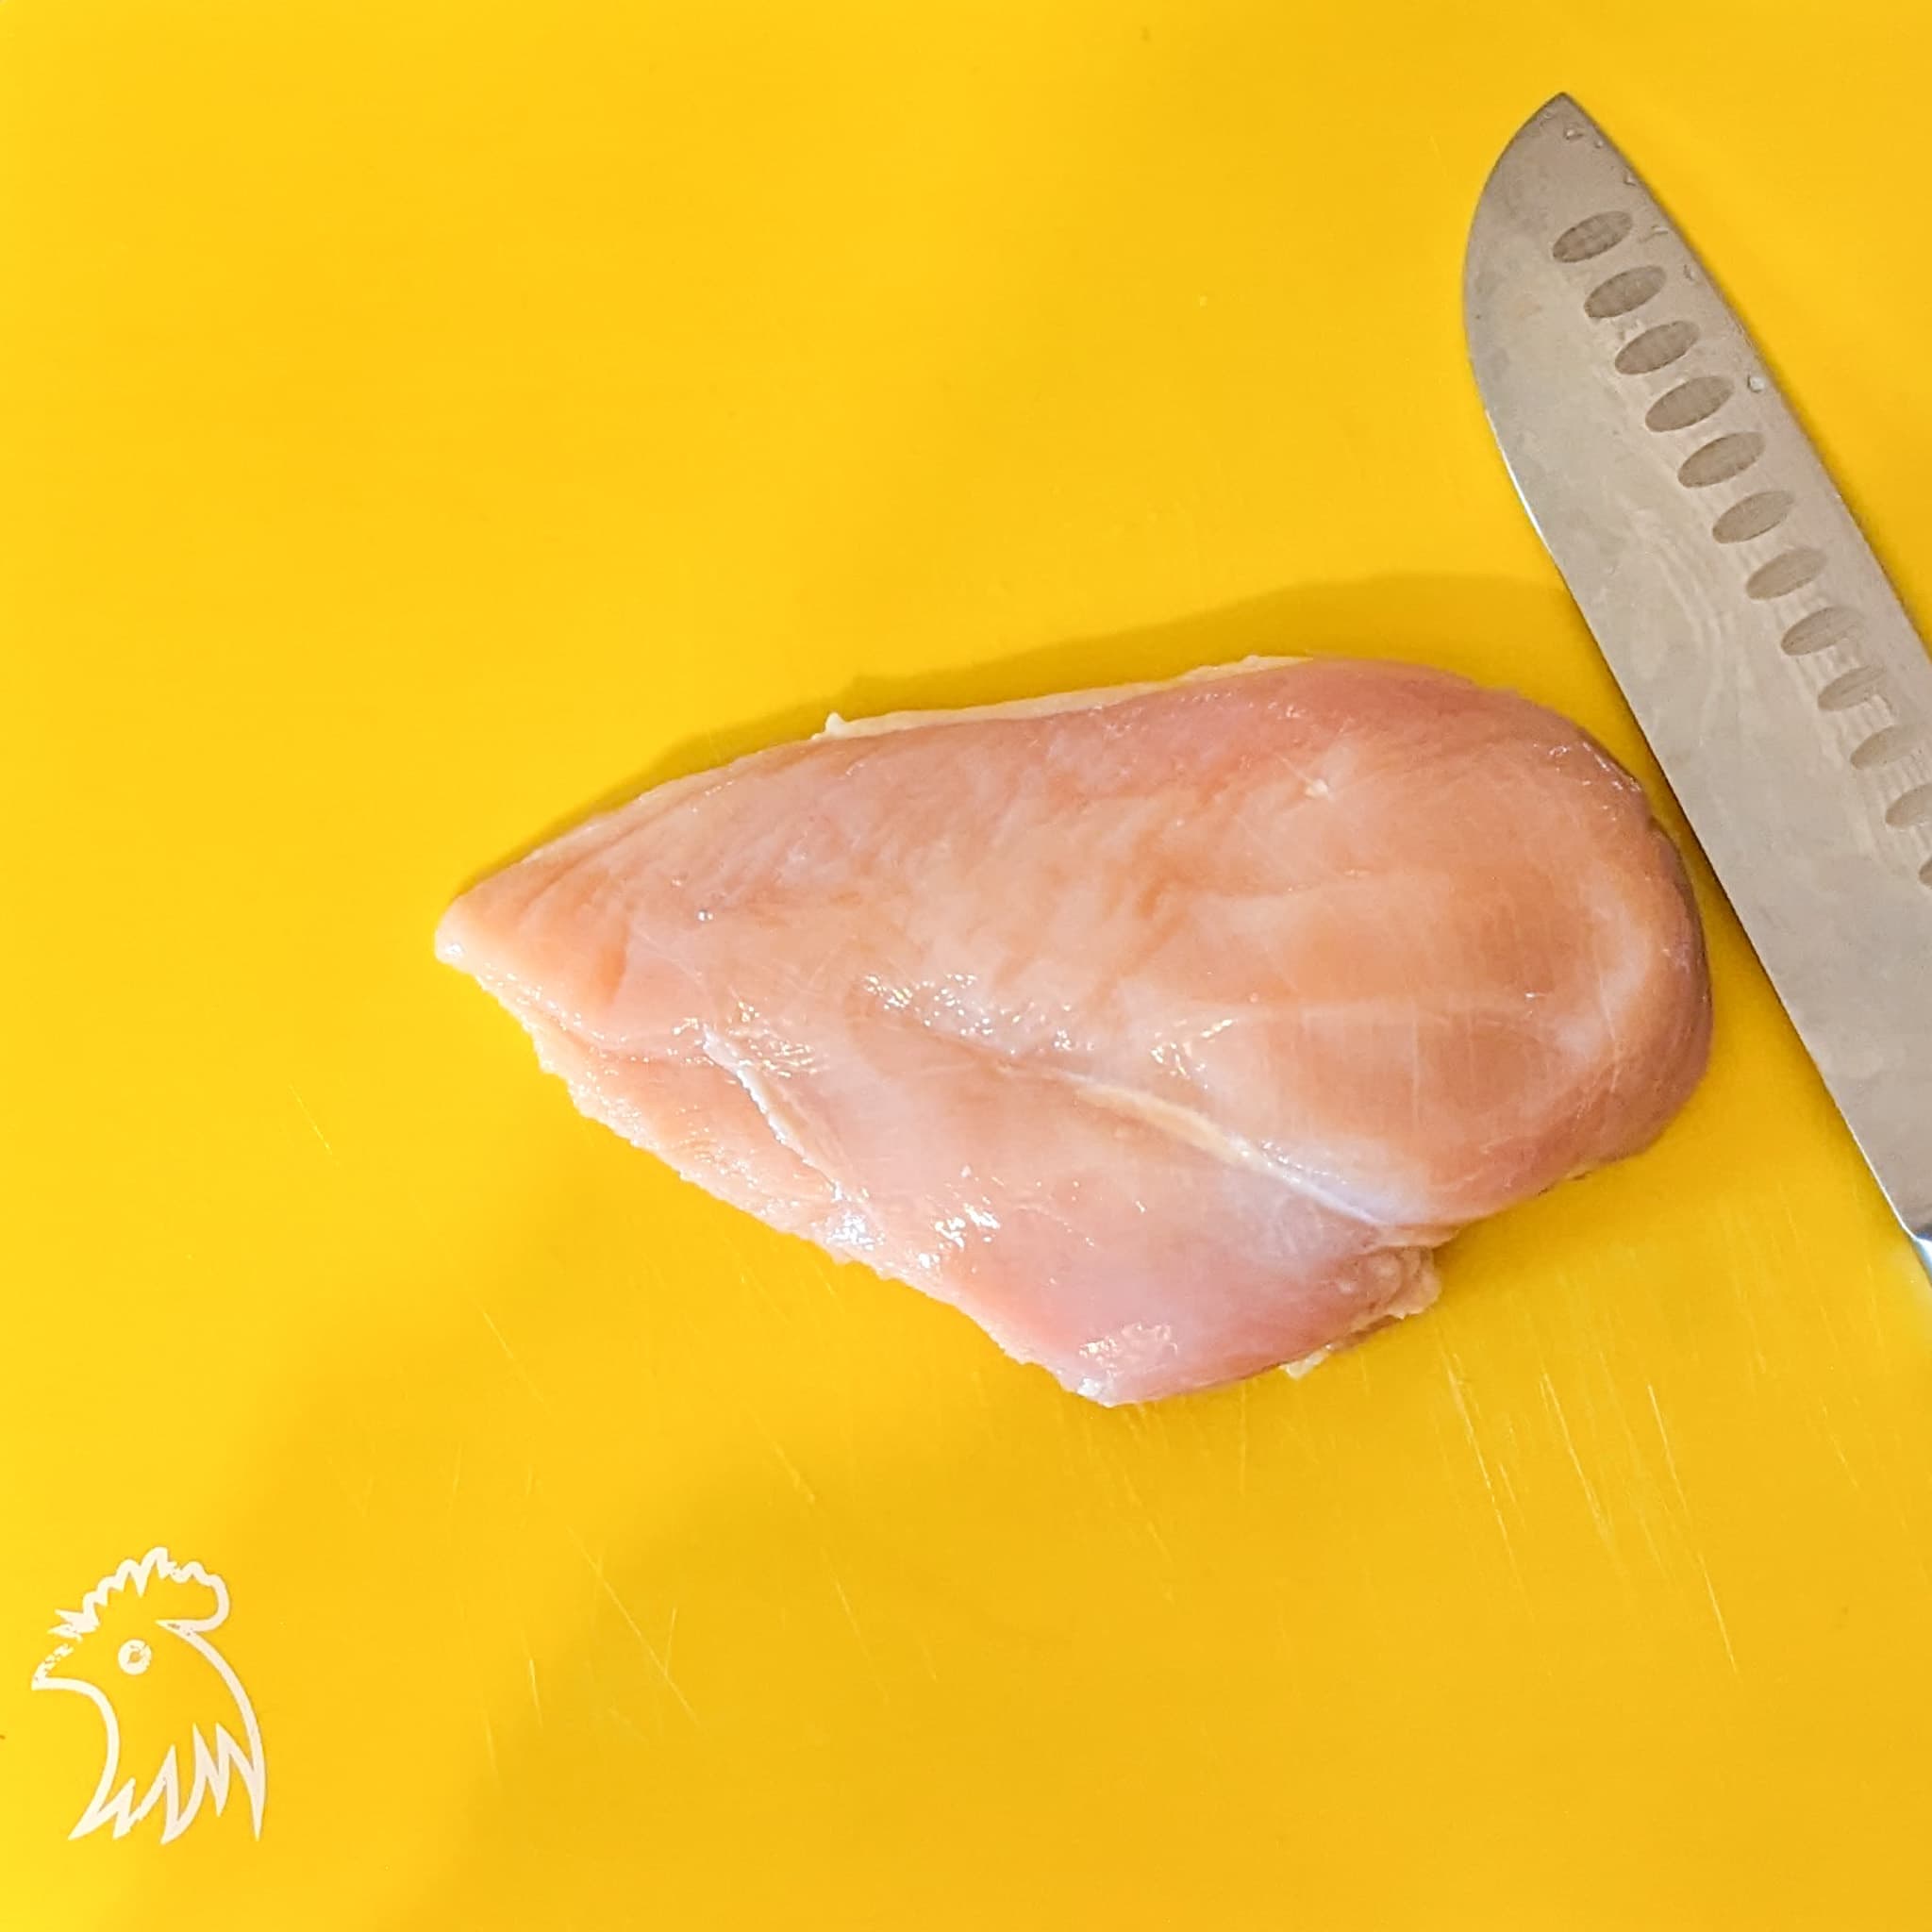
(1165, 1031)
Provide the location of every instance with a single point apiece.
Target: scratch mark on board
(859, 1637)
(1482, 1463)
(632, 1624)
(1717, 1610)
(845, 1604)
(1589, 1488)
(302, 1106)
(793, 1470)
(510, 1355)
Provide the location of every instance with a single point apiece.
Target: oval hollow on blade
(1164, 1031)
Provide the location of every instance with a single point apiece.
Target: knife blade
(1753, 632)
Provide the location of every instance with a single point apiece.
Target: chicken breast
(1165, 1031)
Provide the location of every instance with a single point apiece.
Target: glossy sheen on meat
(1165, 1032)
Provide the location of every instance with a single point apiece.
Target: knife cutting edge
(1772, 669)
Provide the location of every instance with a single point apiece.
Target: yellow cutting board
(423, 420)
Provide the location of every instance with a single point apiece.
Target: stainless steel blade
(1772, 669)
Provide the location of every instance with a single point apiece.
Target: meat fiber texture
(1164, 1030)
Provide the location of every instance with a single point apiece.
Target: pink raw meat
(1165, 1031)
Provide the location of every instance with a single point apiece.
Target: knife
(1769, 661)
